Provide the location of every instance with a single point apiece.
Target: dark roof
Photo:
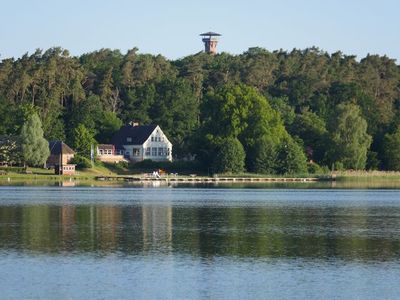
(210, 33)
(105, 146)
(138, 134)
(55, 148)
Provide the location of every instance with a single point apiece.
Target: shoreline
(195, 179)
(89, 180)
(347, 179)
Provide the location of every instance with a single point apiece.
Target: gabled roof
(138, 135)
(57, 146)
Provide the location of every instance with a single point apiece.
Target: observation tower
(210, 40)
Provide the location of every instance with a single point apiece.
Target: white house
(140, 142)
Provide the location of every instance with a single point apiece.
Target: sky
(172, 27)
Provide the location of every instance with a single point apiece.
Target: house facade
(108, 153)
(60, 158)
(140, 142)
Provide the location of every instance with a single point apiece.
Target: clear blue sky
(171, 27)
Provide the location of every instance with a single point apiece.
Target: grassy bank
(45, 174)
(366, 175)
(115, 170)
(256, 175)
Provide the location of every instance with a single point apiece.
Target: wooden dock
(194, 179)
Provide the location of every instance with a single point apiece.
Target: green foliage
(7, 117)
(263, 158)
(244, 114)
(34, 147)
(391, 150)
(83, 141)
(230, 156)
(282, 106)
(201, 98)
(373, 162)
(230, 107)
(81, 162)
(290, 158)
(349, 139)
(10, 150)
(314, 168)
(88, 113)
(109, 124)
(176, 111)
(240, 111)
(20, 170)
(312, 131)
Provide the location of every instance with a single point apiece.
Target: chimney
(134, 123)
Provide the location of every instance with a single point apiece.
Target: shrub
(13, 169)
(81, 162)
(314, 168)
(230, 156)
(291, 158)
(263, 157)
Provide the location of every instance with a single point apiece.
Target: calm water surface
(195, 243)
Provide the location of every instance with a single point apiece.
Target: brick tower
(210, 40)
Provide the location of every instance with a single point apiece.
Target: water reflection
(362, 183)
(368, 233)
(166, 243)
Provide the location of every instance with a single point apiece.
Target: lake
(199, 242)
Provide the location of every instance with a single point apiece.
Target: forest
(266, 112)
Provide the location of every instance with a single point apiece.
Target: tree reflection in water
(350, 233)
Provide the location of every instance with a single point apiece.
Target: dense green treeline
(260, 111)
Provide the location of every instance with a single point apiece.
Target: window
(152, 138)
(168, 152)
(165, 151)
(109, 152)
(129, 139)
(136, 152)
(148, 151)
(160, 151)
(101, 151)
(153, 151)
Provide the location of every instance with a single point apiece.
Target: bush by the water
(13, 169)
(81, 162)
(314, 168)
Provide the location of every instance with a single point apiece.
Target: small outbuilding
(60, 158)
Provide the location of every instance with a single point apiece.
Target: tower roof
(210, 33)
(59, 147)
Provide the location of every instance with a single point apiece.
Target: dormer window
(129, 139)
